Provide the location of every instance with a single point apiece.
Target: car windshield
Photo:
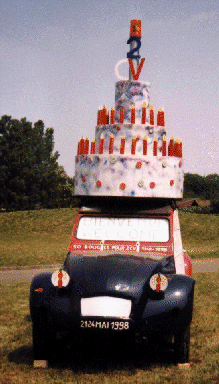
(123, 229)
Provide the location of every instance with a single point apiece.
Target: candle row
(174, 148)
(104, 117)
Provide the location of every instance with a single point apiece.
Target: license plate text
(111, 325)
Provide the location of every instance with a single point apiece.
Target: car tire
(181, 346)
(40, 338)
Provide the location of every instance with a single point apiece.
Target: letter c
(117, 69)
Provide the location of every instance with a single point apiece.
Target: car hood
(116, 274)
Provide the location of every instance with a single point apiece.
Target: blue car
(125, 273)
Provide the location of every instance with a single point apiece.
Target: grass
(110, 366)
(200, 235)
(43, 236)
(35, 237)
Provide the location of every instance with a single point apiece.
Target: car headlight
(158, 282)
(60, 278)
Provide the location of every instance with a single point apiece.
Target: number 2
(130, 54)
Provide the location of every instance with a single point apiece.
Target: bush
(215, 206)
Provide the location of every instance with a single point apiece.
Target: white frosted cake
(130, 93)
(130, 155)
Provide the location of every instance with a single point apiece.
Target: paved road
(210, 265)
(11, 275)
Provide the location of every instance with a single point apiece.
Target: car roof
(130, 207)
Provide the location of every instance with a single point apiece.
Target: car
(125, 273)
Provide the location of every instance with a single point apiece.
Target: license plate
(110, 325)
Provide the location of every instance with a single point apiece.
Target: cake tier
(128, 132)
(128, 93)
(129, 176)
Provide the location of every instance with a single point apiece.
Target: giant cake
(130, 155)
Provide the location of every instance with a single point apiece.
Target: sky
(58, 57)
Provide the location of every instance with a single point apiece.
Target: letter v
(135, 76)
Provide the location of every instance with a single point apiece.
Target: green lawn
(119, 366)
(42, 237)
(200, 234)
(35, 237)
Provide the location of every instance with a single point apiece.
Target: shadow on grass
(22, 355)
(99, 355)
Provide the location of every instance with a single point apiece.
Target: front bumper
(162, 314)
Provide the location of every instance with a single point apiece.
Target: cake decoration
(130, 155)
(135, 75)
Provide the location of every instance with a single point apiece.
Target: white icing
(129, 131)
(134, 176)
(130, 93)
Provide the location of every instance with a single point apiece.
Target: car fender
(40, 287)
(176, 300)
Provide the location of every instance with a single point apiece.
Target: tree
(30, 175)
(204, 187)
(194, 186)
(212, 186)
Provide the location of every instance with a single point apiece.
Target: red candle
(104, 115)
(132, 114)
(145, 144)
(92, 149)
(151, 114)
(101, 144)
(121, 117)
(98, 116)
(111, 143)
(164, 146)
(160, 117)
(79, 149)
(86, 146)
(122, 146)
(82, 146)
(180, 148)
(155, 146)
(176, 148)
(143, 117)
(171, 147)
(112, 116)
(133, 149)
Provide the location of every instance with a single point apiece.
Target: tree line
(204, 187)
(30, 176)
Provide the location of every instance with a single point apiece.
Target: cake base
(129, 176)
